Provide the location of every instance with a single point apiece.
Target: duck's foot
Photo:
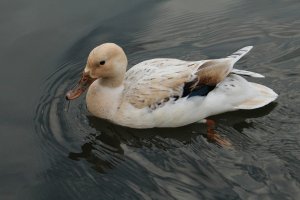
(213, 136)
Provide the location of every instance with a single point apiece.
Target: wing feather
(154, 81)
(157, 80)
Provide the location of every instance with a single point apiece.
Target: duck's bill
(82, 85)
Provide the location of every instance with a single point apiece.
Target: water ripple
(85, 152)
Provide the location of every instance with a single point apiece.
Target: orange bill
(82, 85)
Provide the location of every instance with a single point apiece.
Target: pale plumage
(167, 92)
(153, 81)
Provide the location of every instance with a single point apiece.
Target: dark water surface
(49, 151)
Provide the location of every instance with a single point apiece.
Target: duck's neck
(113, 82)
(104, 96)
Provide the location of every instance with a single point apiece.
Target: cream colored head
(107, 61)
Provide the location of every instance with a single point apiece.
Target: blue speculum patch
(191, 91)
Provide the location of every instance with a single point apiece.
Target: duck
(166, 92)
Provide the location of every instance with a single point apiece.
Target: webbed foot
(213, 136)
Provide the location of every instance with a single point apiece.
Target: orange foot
(213, 136)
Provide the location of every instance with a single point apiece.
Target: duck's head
(106, 62)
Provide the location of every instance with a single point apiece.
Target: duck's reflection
(238, 121)
(104, 148)
(104, 151)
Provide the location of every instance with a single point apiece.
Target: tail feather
(212, 72)
(240, 53)
(247, 73)
(263, 96)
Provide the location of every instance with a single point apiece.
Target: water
(52, 150)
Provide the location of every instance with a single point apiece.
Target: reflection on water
(82, 157)
(103, 148)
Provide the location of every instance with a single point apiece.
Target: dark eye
(102, 62)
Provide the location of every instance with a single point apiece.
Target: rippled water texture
(51, 149)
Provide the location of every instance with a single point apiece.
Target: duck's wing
(159, 80)
(156, 81)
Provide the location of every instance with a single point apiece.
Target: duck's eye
(102, 62)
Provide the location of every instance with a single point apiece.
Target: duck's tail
(240, 53)
(247, 73)
(212, 72)
(261, 97)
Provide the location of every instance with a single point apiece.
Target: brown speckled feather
(158, 80)
(213, 72)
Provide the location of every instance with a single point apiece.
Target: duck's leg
(213, 136)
